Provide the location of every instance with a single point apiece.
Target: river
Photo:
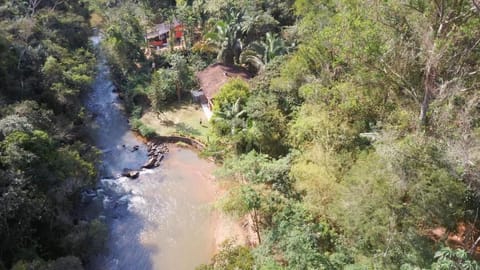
(163, 219)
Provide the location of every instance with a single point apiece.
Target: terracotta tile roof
(216, 75)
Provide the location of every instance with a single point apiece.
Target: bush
(135, 123)
(162, 88)
(143, 129)
(146, 131)
(136, 112)
(230, 92)
(196, 61)
(231, 257)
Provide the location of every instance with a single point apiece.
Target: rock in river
(150, 163)
(130, 173)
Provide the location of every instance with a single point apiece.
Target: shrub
(146, 131)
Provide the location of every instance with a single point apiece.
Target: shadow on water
(112, 200)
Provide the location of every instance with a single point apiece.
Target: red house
(158, 36)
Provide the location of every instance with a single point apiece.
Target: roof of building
(215, 76)
(161, 29)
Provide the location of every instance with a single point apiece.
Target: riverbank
(192, 180)
(185, 125)
(223, 226)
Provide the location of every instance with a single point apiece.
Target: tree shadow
(182, 105)
(183, 128)
(168, 123)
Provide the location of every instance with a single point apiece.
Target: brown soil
(463, 237)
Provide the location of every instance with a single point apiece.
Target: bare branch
(33, 4)
(476, 5)
(474, 246)
(399, 80)
(58, 2)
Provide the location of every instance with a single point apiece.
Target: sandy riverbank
(227, 228)
(223, 227)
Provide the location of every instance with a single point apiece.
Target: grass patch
(184, 119)
(143, 129)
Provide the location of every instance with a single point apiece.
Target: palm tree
(226, 38)
(258, 54)
(233, 115)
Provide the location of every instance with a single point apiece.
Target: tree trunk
(474, 246)
(179, 97)
(256, 226)
(429, 86)
(227, 57)
(428, 83)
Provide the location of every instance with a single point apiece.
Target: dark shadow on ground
(183, 128)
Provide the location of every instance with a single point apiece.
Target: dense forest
(355, 143)
(46, 63)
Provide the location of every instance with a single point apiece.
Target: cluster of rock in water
(156, 153)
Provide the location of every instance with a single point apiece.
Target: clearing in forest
(185, 119)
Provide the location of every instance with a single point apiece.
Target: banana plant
(260, 53)
(233, 114)
(226, 38)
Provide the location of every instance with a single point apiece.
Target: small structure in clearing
(158, 36)
(215, 76)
